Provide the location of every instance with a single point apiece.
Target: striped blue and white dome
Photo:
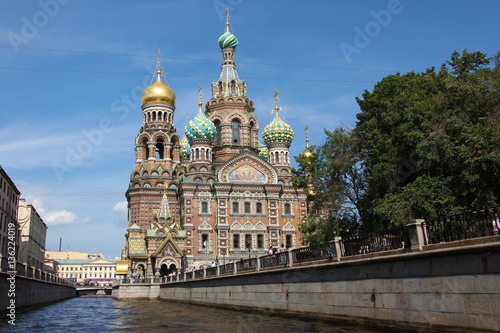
(200, 128)
(228, 40)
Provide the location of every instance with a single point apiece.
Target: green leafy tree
(334, 171)
(431, 142)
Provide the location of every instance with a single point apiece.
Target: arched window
(277, 157)
(159, 149)
(218, 137)
(233, 87)
(236, 132)
(252, 125)
(204, 207)
(197, 154)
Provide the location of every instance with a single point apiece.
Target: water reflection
(103, 314)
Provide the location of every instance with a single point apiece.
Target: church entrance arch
(141, 270)
(168, 267)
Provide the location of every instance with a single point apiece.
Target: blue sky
(73, 71)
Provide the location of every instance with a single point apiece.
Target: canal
(104, 314)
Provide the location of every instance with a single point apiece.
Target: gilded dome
(200, 127)
(158, 92)
(277, 132)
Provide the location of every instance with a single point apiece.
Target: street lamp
(333, 215)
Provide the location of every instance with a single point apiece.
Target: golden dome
(158, 92)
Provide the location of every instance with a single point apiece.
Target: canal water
(104, 314)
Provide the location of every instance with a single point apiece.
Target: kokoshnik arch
(217, 193)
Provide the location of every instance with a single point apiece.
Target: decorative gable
(247, 168)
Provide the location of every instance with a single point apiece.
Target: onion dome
(158, 92)
(200, 127)
(228, 40)
(307, 152)
(277, 132)
(185, 148)
(263, 151)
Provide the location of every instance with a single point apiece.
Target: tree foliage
(425, 144)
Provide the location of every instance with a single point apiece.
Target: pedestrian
(496, 224)
(282, 248)
(213, 264)
(270, 250)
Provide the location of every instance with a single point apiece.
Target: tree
(335, 171)
(431, 142)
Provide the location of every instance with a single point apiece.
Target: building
(81, 270)
(217, 193)
(72, 255)
(9, 198)
(33, 235)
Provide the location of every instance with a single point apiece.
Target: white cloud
(121, 209)
(62, 217)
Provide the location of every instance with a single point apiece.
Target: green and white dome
(277, 132)
(263, 151)
(185, 148)
(228, 40)
(200, 128)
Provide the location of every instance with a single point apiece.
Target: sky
(72, 73)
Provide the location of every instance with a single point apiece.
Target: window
(218, 130)
(288, 241)
(204, 240)
(247, 207)
(235, 207)
(204, 207)
(287, 209)
(248, 241)
(236, 131)
(258, 208)
(260, 241)
(236, 241)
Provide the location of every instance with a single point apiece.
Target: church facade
(217, 193)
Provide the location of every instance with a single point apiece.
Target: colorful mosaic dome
(200, 128)
(228, 40)
(185, 147)
(263, 151)
(277, 132)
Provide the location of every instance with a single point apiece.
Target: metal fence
(314, 252)
(226, 269)
(273, 260)
(378, 241)
(472, 224)
(246, 265)
(211, 271)
(198, 273)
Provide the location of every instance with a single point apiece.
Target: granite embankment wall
(456, 289)
(30, 292)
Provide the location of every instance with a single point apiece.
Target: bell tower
(230, 110)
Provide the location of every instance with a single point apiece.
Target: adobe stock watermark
(30, 27)
(120, 108)
(373, 28)
(221, 6)
(11, 280)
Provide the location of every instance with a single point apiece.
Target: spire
(307, 136)
(199, 101)
(227, 20)
(276, 107)
(187, 116)
(164, 209)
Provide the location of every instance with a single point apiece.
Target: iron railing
(226, 269)
(314, 252)
(466, 225)
(273, 260)
(198, 273)
(378, 241)
(211, 271)
(246, 265)
(189, 275)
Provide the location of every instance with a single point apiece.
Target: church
(217, 194)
